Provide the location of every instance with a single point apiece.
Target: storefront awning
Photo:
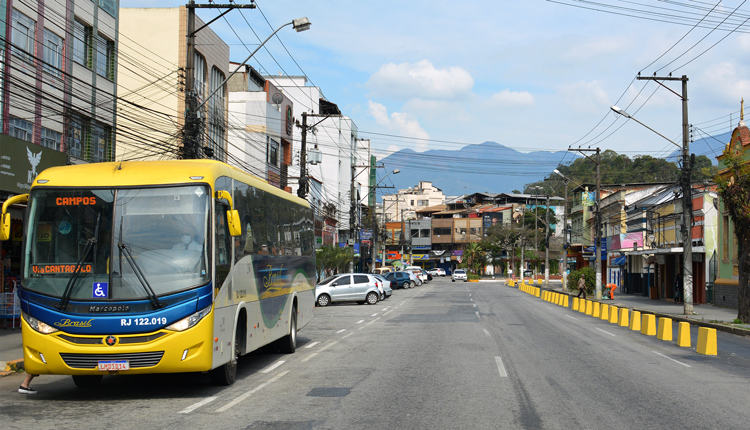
(675, 250)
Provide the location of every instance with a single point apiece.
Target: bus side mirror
(233, 221)
(5, 215)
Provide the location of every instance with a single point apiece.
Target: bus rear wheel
(288, 343)
(87, 381)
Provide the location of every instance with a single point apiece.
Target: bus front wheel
(227, 372)
(87, 381)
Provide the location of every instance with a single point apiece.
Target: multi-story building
(58, 93)
(153, 78)
(406, 202)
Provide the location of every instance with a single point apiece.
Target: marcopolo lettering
(75, 201)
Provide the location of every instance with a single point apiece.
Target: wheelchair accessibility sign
(100, 290)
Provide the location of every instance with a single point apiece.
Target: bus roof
(136, 173)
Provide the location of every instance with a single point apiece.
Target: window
(51, 139)
(105, 63)
(79, 136)
(423, 202)
(273, 152)
(216, 121)
(425, 232)
(23, 35)
(82, 40)
(725, 238)
(52, 53)
(100, 142)
(21, 128)
(200, 77)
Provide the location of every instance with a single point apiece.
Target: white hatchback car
(438, 271)
(459, 275)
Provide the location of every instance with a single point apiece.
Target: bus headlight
(38, 325)
(189, 321)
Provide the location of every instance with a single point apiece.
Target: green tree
(734, 190)
(474, 258)
(501, 239)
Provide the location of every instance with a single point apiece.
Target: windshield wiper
(77, 272)
(139, 274)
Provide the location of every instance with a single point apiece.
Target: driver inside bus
(187, 242)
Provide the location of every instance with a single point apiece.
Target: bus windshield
(94, 242)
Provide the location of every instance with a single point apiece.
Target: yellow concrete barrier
(648, 324)
(589, 307)
(575, 303)
(613, 310)
(558, 298)
(537, 292)
(683, 334)
(624, 320)
(565, 300)
(706, 341)
(635, 322)
(582, 305)
(605, 312)
(597, 310)
(665, 329)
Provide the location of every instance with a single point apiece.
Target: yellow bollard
(597, 310)
(683, 334)
(648, 324)
(706, 341)
(635, 323)
(558, 297)
(575, 303)
(613, 311)
(665, 329)
(605, 312)
(565, 300)
(624, 320)
(537, 292)
(582, 305)
(589, 307)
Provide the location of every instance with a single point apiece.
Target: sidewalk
(11, 352)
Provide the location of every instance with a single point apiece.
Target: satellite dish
(277, 99)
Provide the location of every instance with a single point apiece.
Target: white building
(409, 200)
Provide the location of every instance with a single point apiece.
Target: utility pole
(302, 188)
(687, 194)
(192, 136)
(546, 244)
(597, 219)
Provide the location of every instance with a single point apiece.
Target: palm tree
(475, 258)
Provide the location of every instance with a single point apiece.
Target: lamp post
(565, 227)
(374, 218)
(687, 201)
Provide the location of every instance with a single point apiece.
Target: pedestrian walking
(25, 387)
(582, 287)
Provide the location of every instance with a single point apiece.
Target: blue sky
(531, 74)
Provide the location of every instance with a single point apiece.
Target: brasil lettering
(75, 201)
(44, 269)
(70, 323)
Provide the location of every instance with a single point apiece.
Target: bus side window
(223, 245)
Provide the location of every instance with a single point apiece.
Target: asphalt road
(441, 356)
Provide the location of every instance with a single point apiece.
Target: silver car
(386, 283)
(347, 287)
(459, 275)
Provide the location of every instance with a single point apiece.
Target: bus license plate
(114, 365)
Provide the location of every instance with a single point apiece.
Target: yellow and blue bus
(160, 267)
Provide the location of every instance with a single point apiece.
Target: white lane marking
(372, 321)
(311, 345)
(374, 315)
(341, 331)
(195, 406)
(474, 305)
(477, 314)
(251, 392)
(360, 321)
(347, 335)
(386, 313)
(309, 356)
(487, 332)
(272, 367)
(548, 307)
(570, 317)
(670, 358)
(500, 367)
(328, 346)
(386, 308)
(605, 331)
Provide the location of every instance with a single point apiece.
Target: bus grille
(100, 340)
(90, 361)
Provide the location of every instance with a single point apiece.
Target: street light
(299, 24)
(687, 203)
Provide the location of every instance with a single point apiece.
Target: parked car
(382, 270)
(438, 271)
(402, 279)
(387, 286)
(427, 274)
(459, 275)
(419, 272)
(347, 287)
(416, 281)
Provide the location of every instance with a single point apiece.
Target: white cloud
(420, 79)
(399, 123)
(585, 96)
(507, 98)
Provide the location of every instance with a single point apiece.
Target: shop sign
(21, 162)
